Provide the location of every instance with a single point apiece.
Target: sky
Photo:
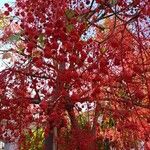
(2, 2)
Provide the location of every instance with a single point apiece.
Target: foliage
(75, 57)
(33, 140)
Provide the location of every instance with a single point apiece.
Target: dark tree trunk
(49, 142)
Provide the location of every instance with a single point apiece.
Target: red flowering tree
(86, 64)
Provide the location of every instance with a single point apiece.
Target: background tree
(74, 54)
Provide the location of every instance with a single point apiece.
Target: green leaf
(41, 40)
(15, 37)
(34, 140)
(106, 144)
(113, 2)
(82, 120)
(69, 27)
(70, 13)
(111, 122)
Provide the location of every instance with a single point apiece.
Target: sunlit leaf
(41, 40)
(7, 55)
(113, 2)
(14, 37)
(70, 13)
(69, 27)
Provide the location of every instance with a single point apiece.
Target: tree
(74, 54)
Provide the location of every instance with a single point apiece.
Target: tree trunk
(50, 141)
(54, 138)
